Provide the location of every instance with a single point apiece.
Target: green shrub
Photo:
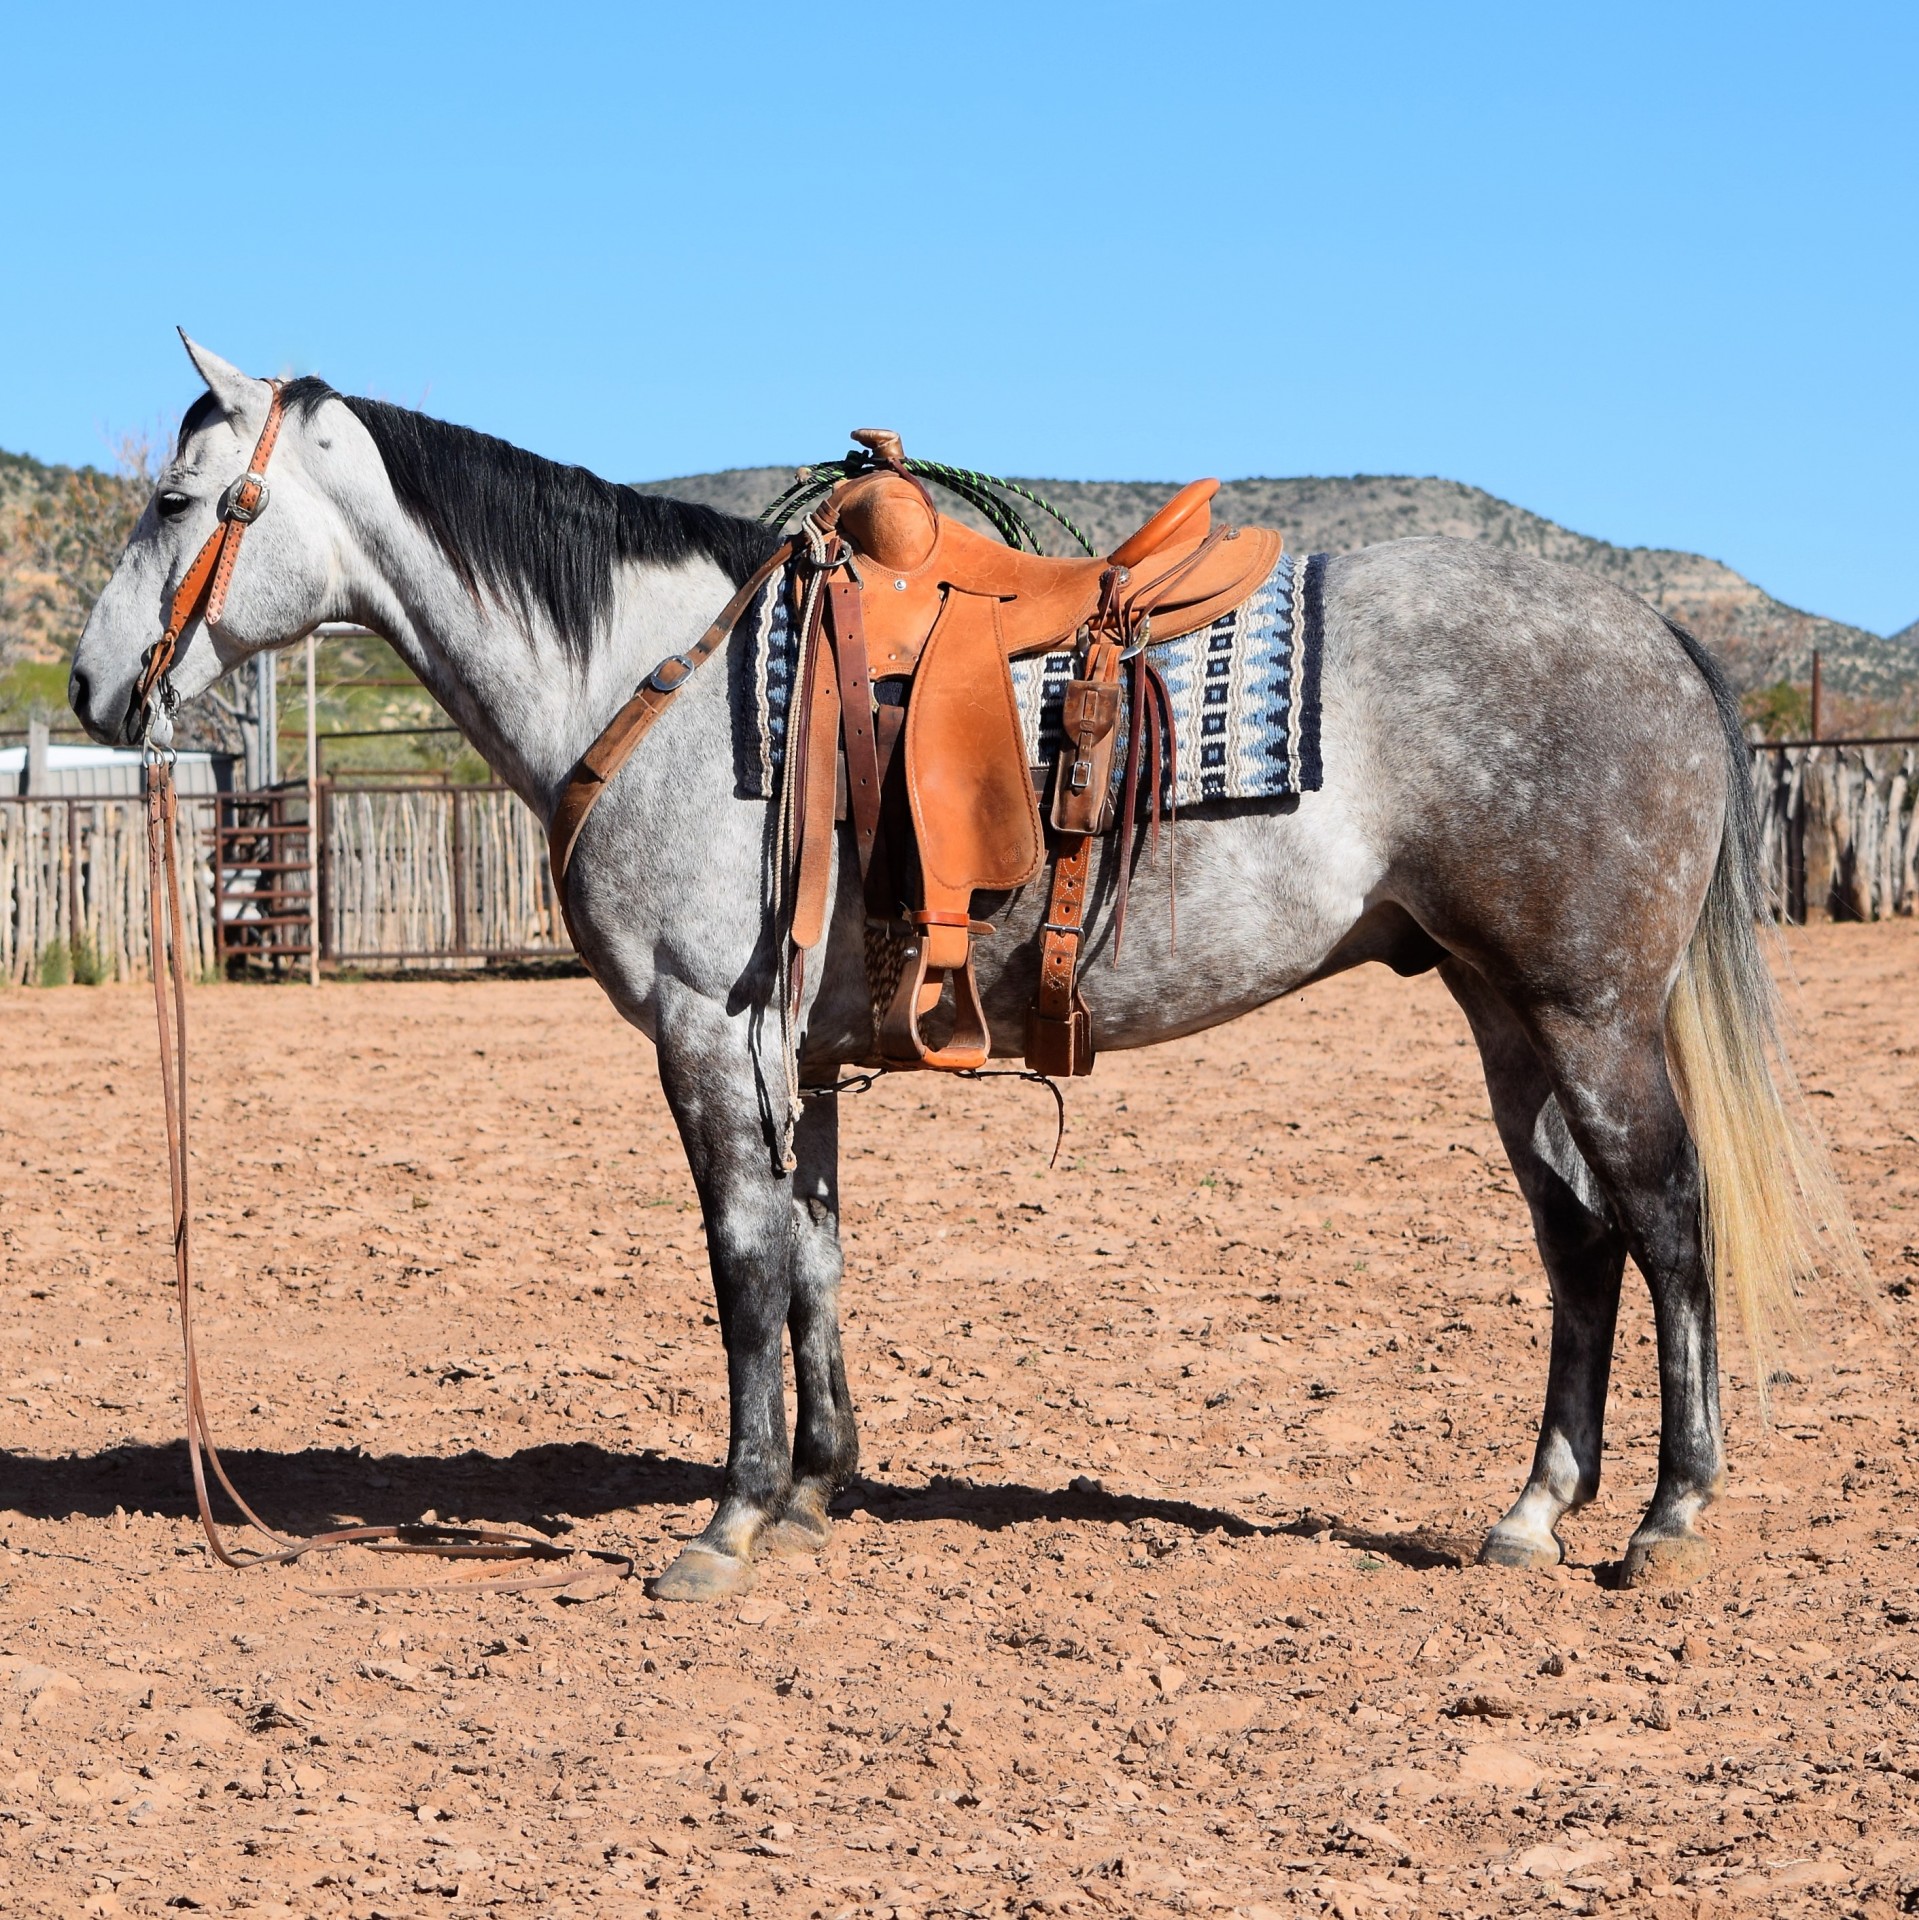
(90, 966)
(56, 965)
(1781, 711)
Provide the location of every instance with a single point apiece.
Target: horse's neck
(530, 704)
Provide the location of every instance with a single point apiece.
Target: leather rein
(201, 593)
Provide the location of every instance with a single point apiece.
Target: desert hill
(1760, 639)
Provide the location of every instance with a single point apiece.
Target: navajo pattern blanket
(1245, 694)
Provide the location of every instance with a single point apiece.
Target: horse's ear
(238, 394)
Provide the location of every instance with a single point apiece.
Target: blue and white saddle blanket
(1244, 694)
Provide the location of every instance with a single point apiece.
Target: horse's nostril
(80, 696)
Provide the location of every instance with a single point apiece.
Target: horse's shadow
(552, 1487)
(329, 1486)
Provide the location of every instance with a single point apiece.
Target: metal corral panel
(107, 772)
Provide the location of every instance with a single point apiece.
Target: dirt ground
(1150, 1598)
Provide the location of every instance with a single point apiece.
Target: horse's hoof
(700, 1573)
(1673, 1560)
(1505, 1549)
(801, 1532)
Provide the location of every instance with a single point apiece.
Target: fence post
(73, 879)
(459, 872)
(322, 881)
(313, 822)
(1795, 840)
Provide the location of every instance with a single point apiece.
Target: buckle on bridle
(235, 506)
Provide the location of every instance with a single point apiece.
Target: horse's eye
(173, 505)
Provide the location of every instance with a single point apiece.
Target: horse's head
(279, 585)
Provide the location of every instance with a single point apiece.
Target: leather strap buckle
(242, 506)
(670, 674)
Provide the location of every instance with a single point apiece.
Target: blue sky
(1649, 270)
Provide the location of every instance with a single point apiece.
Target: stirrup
(921, 988)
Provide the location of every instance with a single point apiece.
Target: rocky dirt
(1150, 1598)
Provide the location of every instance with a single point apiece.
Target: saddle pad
(1245, 694)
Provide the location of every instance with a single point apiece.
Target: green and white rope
(982, 491)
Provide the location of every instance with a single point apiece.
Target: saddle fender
(974, 811)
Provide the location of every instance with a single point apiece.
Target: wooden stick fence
(1839, 828)
(72, 866)
(434, 873)
(458, 875)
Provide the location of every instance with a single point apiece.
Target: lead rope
(166, 920)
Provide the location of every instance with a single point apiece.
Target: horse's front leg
(826, 1445)
(707, 1069)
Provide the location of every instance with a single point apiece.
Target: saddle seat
(911, 557)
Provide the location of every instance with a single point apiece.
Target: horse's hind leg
(826, 1445)
(1584, 1253)
(1617, 1096)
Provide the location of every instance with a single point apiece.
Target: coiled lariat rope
(984, 492)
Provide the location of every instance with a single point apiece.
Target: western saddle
(909, 621)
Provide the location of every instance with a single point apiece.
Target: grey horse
(1532, 783)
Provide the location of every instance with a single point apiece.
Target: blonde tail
(1773, 1213)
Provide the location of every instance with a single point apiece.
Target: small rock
(1493, 1765)
(1168, 1680)
(202, 1727)
(1484, 1706)
(1549, 1862)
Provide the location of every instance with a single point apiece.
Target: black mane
(531, 532)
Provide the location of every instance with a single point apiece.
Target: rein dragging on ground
(440, 1542)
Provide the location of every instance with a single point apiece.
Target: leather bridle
(203, 592)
